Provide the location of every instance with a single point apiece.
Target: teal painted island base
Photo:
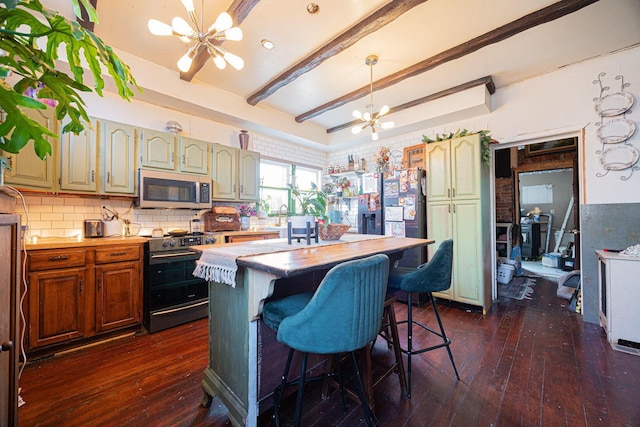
(245, 360)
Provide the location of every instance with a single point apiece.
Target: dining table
(245, 359)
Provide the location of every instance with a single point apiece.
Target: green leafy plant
(485, 140)
(33, 68)
(265, 204)
(310, 202)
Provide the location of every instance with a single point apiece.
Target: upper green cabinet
(194, 156)
(157, 149)
(166, 151)
(118, 142)
(78, 160)
(236, 174)
(27, 169)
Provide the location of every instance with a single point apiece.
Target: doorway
(537, 187)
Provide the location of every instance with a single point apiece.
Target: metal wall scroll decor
(615, 130)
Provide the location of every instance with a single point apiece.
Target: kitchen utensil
(177, 233)
(157, 232)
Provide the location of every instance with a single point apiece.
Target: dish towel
(218, 264)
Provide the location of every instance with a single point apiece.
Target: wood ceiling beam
(368, 25)
(486, 81)
(238, 10)
(544, 15)
(84, 19)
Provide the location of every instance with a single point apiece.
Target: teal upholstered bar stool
(433, 276)
(342, 316)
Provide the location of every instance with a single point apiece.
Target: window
(274, 179)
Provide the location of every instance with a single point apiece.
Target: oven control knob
(172, 242)
(165, 244)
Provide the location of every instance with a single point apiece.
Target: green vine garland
(485, 139)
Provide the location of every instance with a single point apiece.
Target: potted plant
(246, 212)
(264, 206)
(37, 81)
(310, 204)
(345, 185)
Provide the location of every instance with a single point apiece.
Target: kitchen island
(245, 360)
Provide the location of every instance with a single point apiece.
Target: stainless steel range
(172, 295)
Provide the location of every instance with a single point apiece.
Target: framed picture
(565, 144)
(413, 157)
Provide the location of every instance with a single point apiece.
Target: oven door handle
(173, 255)
(174, 310)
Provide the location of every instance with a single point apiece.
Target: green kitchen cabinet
(27, 169)
(78, 160)
(194, 156)
(118, 142)
(236, 174)
(157, 149)
(458, 209)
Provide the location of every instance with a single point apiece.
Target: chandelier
(210, 39)
(368, 118)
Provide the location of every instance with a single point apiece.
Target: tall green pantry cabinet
(458, 208)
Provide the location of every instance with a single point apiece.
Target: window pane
(278, 198)
(274, 174)
(305, 176)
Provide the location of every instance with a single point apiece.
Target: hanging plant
(37, 80)
(485, 140)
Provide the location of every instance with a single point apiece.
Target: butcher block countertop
(79, 242)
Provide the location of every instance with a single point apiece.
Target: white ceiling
(420, 33)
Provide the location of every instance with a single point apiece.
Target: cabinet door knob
(99, 283)
(6, 346)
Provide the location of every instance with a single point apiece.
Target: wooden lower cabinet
(57, 302)
(100, 291)
(118, 296)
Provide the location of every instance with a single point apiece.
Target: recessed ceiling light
(313, 8)
(267, 44)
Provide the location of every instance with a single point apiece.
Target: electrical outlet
(552, 211)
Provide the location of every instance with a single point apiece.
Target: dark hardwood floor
(529, 363)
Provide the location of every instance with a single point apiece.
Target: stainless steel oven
(172, 295)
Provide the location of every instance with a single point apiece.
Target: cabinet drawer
(47, 260)
(117, 254)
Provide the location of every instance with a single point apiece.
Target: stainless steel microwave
(173, 190)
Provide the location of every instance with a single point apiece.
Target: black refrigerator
(370, 213)
(404, 211)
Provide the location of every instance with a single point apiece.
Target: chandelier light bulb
(181, 26)
(366, 117)
(188, 4)
(374, 134)
(235, 61)
(233, 34)
(384, 110)
(184, 63)
(357, 114)
(158, 28)
(357, 129)
(224, 22)
(219, 61)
